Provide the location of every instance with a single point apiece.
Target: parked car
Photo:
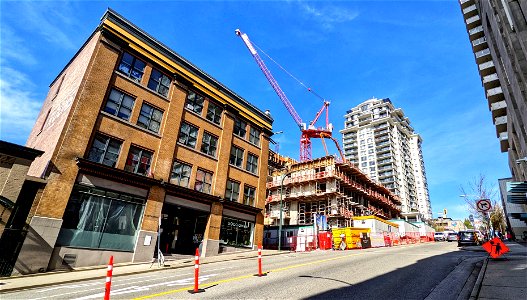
(451, 237)
(439, 236)
(467, 238)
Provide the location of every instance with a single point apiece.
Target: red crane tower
(307, 132)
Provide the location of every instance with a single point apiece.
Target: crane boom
(271, 79)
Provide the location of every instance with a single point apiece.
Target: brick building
(136, 137)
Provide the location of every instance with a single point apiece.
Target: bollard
(108, 279)
(196, 275)
(260, 274)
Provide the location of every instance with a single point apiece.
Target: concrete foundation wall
(38, 246)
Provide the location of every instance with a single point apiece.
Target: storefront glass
(236, 232)
(101, 219)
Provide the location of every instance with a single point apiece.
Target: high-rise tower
(379, 140)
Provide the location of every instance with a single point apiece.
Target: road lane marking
(251, 275)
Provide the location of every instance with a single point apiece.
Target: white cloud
(18, 108)
(328, 16)
(49, 20)
(14, 48)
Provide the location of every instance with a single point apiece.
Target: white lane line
(136, 289)
(115, 283)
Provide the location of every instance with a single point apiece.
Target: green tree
(468, 224)
(497, 218)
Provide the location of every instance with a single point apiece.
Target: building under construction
(329, 187)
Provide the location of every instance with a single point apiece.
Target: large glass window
(150, 118)
(203, 181)
(132, 67)
(236, 158)
(209, 144)
(119, 104)
(236, 232)
(159, 82)
(252, 163)
(214, 113)
(101, 219)
(188, 135)
(105, 150)
(194, 102)
(138, 161)
(240, 128)
(249, 193)
(232, 192)
(180, 174)
(254, 136)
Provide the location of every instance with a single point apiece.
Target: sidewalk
(99, 272)
(505, 277)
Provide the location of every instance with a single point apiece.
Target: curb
(477, 286)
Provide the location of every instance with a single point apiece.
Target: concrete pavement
(505, 277)
(502, 278)
(49, 278)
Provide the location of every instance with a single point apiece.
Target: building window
(203, 182)
(150, 118)
(132, 67)
(254, 136)
(159, 82)
(248, 195)
(105, 150)
(252, 163)
(236, 232)
(372, 163)
(194, 102)
(119, 104)
(138, 161)
(232, 192)
(240, 128)
(180, 174)
(188, 135)
(236, 156)
(364, 164)
(209, 144)
(214, 112)
(101, 219)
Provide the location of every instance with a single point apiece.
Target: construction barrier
(352, 237)
(108, 284)
(325, 240)
(302, 243)
(196, 275)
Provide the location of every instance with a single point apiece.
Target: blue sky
(416, 53)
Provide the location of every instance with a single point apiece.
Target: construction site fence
(355, 238)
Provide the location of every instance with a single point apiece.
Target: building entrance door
(182, 229)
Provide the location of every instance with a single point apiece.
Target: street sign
(495, 247)
(471, 218)
(483, 205)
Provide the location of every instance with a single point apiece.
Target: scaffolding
(332, 188)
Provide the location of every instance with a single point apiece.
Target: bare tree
(477, 189)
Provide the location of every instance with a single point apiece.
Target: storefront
(183, 224)
(237, 231)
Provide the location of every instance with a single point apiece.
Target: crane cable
(291, 75)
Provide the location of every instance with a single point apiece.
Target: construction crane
(307, 132)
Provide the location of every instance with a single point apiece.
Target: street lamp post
(281, 213)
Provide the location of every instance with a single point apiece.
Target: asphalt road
(434, 270)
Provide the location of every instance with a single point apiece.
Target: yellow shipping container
(352, 236)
